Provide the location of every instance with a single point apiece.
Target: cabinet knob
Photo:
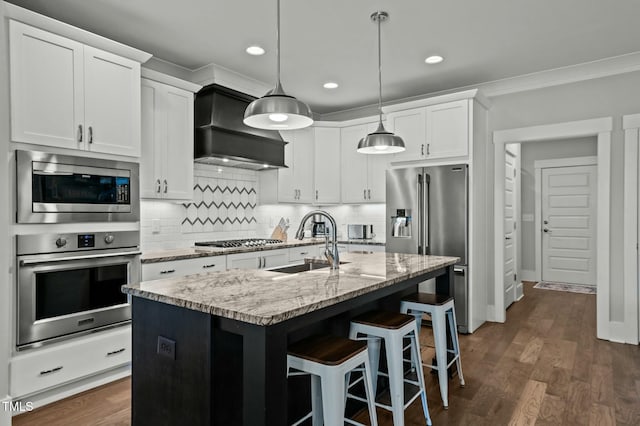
(109, 238)
(61, 242)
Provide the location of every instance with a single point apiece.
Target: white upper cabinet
(166, 165)
(410, 125)
(112, 103)
(363, 175)
(69, 95)
(448, 129)
(295, 183)
(327, 165)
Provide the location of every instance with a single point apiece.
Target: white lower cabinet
(369, 248)
(39, 369)
(299, 254)
(258, 259)
(180, 268)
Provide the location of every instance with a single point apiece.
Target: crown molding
(631, 121)
(213, 73)
(160, 77)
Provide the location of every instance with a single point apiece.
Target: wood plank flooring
(544, 366)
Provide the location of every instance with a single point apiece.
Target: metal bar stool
(328, 359)
(442, 310)
(393, 327)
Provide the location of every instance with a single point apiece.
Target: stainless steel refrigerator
(427, 214)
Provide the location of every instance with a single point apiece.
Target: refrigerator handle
(420, 215)
(425, 214)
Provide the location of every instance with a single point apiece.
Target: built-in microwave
(54, 188)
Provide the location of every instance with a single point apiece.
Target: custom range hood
(221, 138)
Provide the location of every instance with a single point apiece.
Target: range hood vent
(221, 138)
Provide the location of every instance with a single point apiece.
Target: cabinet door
(153, 139)
(47, 100)
(287, 190)
(448, 129)
(244, 261)
(411, 127)
(274, 258)
(353, 165)
(178, 167)
(112, 103)
(303, 165)
(327, 165)
(376, 172)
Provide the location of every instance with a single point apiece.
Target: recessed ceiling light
(435, 59)
(255, 50)
(330, 85)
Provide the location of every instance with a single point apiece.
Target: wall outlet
(155, 226)
(166, 347)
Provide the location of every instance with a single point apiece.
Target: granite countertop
(194, 252)
(264, 297)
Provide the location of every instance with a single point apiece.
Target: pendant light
(276, 110)
(381, 141)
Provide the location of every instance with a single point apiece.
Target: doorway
(600, 128)
(566, 220)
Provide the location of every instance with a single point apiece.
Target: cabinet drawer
(297, 254)
(369, 248)
(51, 366)
(180, 268)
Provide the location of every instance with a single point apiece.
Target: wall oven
(54, 188)
(71, 283)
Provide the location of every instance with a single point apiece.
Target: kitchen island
(210, 349)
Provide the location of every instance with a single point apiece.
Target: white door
(447, 129)
(376, 172)
(150, 160)
(112, 103)
(47, 102)
(303, 165)
(569, 224)
(411, 127)
(326, 165)
(509, 229)
(353, 165)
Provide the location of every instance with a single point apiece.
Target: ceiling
(335, 40)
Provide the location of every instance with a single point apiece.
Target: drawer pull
(53, 370)
(168, 271)
(116, 352)
(209, 266)
(304, 253)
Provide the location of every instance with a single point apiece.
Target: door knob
(546, 230)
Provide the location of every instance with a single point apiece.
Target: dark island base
(226, 372)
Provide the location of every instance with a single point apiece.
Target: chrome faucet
(331, 254)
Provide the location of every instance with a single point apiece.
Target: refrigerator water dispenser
(401, 224)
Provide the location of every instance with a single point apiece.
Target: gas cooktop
(245, 242)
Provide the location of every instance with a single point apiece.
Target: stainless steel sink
(303, 267)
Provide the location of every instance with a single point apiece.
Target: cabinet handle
(79, 137)
(316, 195)
(422, 150)
(159, 185)
(53, 370)
(369, 193)
(116, 352)
(304, 253)
(364, 192)
(166, 186)
(209, 266)
(90, 134)
(428, 151)
(168, 271)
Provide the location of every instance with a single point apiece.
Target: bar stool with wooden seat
(442, 311)
(328, 359)
(393, 328)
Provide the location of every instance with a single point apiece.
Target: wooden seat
(384, 319)
(327, 350)
(428, 298)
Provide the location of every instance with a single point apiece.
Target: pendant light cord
(278, 42)
(379, 71)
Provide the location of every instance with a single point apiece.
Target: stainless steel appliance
(319, 227)
(70, 283)
(360, 232)
(54, 188)
(245, 242)
(427, 214)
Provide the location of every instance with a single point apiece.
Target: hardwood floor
(544, 366)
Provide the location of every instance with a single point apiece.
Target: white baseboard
(64, 391)
(528, 275)
(617, 332)
(519, 291)
(491, 313)
(5, 412)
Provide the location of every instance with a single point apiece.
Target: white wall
(531, 152)
(5, 241)
(610, 96)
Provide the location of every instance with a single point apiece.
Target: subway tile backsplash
(225, 207)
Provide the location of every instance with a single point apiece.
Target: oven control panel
(85, 241)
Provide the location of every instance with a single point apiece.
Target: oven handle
(66, 259)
